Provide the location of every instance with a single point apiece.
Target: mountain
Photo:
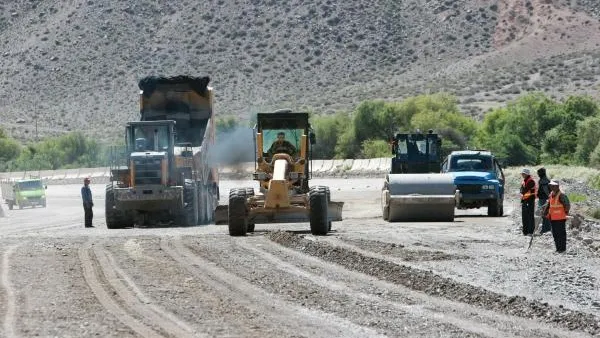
(74, 65)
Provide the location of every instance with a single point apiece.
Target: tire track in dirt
(135, 299)
(11, 305)
(483, 322)
(290, 317)
(340, 286)
(24, 230)
(91, 272)
(335, 251)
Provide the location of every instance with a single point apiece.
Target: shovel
(538, 221)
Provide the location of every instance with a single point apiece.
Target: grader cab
(283, 143)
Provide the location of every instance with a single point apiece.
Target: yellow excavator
(283, 143)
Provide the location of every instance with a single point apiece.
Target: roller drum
(418, 197)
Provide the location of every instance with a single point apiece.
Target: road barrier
(335, 168)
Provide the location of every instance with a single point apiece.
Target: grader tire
(238, 220)
(250, 193)
(317, 199)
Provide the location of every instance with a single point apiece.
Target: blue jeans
(546, 225)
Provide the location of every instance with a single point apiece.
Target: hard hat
(526, 171)
(553, 182)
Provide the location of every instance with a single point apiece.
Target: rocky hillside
(74, 65)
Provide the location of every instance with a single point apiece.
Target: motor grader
(415, 190)
(284, 194)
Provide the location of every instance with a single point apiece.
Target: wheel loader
(415, 190)
(163, 174)
(283, 175)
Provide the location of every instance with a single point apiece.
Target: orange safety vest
(530, 193)
(556, 211)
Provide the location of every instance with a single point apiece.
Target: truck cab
(22, 193)
(478, 178)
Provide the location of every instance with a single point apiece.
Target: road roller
(415, 190)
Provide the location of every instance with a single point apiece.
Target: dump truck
(30, 192)
(283, 173)
(479, 180)
(164, 173)
(414, 189)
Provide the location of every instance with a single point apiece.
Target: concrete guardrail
(320, 168)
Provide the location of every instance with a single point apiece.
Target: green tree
(588, 138)
(328, 130)
(227, 124)
(375, 148)
(595, 157)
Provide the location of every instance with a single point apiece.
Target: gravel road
(368, 278)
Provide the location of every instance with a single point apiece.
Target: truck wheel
(317, 200)
(238, 220)
(250, 193)
(495, 208)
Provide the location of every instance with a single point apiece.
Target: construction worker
(86, 196)
(557, 208)
(281, 145)
(543, 192)
(527, 202)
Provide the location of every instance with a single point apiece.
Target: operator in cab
(281, 145)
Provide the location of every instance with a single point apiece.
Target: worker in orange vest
(556, 209)
(527, 202)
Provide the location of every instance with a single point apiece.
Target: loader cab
(279, 134)
(150, 152)
(416, 153)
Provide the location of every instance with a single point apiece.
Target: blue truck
(479, 179)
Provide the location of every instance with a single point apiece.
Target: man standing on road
(543, 192)
(527, 202)
(557, 208)
(86, 196)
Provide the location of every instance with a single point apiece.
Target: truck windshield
(470, 163)
(30, 185)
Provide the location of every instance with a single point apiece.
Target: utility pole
(36, 128)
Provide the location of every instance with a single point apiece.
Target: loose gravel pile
(435, 285)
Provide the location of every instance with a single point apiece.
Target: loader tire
(238, 220)
(249, 193)
(115, 219)
(317, 200)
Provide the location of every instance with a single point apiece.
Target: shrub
(375, 148)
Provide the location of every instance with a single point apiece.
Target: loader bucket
(334, 213)
(418, 197)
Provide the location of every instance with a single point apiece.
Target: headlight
(294, 175)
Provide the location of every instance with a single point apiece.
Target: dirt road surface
(368, 278)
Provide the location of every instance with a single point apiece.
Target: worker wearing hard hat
(527, 202)
(86, 196)
(556, 210)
